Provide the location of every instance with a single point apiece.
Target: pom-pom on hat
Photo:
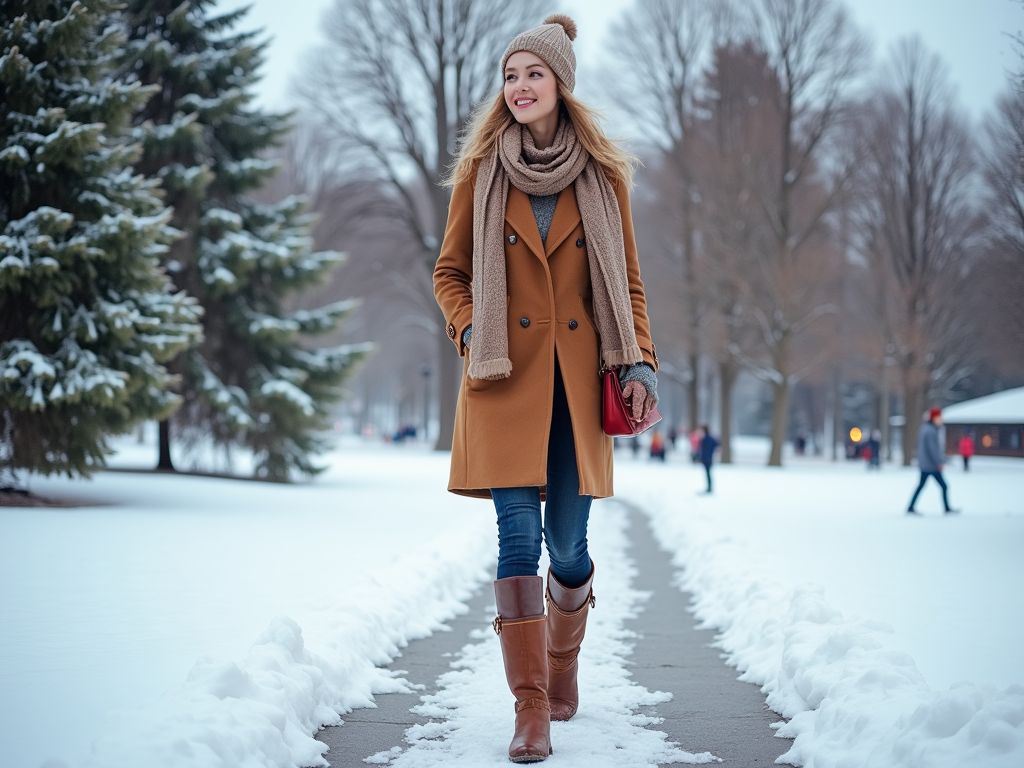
(552, 41)
(934, 413)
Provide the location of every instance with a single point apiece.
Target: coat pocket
(588, 312)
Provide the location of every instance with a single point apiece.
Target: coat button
(573, 325)
(525, 322)
(451, 331)
(579, 243)
(512, 239)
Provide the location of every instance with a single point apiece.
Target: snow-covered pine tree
(252, 382)
(87, 316)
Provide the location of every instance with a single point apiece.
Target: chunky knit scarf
(518, 162)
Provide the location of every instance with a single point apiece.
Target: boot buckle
(532, 704)
(497, 625)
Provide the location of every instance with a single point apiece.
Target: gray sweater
(544, 212)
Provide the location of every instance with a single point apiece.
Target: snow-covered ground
(889, 639)
(107, 607)
(855, 618)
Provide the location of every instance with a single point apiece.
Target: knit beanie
(552, 41)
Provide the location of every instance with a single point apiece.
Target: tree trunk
(913, 405)
(726, 380)
(780, 420)
(884, 412)
(828, 427)
(678, 402)
(449, 366)
(691, 391)
(838, 438)
(164, 462)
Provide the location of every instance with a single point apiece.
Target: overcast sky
(970, 35)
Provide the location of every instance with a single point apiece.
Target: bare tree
(917, 225)
(730, 135)
(664, 45)
(397, 311)
(816, 52)
(392, 90)
(1004, 173)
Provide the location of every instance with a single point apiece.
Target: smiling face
(531, 90)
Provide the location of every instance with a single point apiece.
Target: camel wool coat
(502, 426)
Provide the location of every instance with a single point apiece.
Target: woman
(540, 286)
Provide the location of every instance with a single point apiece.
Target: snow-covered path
(472, 711)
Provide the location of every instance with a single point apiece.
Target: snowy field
(152, 603)
(202, 622)
(889, 640)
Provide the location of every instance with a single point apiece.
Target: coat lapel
(519, 215)
(567, 216)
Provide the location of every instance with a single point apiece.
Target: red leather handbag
(616, 415)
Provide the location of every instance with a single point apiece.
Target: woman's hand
(639, 399)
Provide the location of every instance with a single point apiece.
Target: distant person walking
(708, 446)
(874, 450)
(966, 450)
(657, 446)
(930, 459)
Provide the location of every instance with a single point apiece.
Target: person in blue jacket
(708, 446)
(930, 459)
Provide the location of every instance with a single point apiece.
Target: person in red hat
(930, 459)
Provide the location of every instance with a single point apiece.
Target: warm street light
(856, 434)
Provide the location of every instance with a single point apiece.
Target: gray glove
(643, 373)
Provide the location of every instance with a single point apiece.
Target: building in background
(996, 422)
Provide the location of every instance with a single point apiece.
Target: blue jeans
(565, 511)
(942, 485)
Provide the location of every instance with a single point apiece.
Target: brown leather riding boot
(567, 623)
(521, 626)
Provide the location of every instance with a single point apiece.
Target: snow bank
(108, 607)
(756, 558)
(263, 709)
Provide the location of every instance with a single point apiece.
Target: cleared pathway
(710, 709)
(367, 732)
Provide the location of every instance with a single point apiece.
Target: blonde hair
(490, 121)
